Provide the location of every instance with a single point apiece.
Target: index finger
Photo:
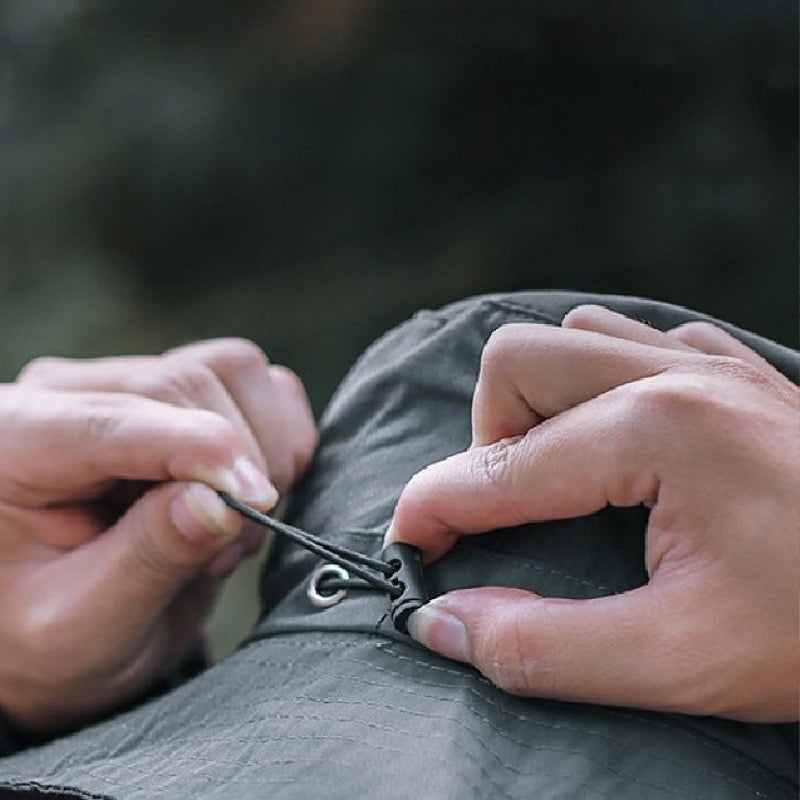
(65, 446)
(584, 459)
(270, 399)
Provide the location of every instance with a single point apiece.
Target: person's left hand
(113, 539)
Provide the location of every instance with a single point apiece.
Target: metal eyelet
(319, 599)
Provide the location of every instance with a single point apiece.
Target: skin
(112, 538)
(606, 410)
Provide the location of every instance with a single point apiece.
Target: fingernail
(440, 631)
(390, 535)
(198, 511)
(254, 487)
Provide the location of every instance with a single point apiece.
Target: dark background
(309, 172)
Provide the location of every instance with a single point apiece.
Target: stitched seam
(391, 650)
(538, 566)
(708, 741)
(266, 762)
(512, 307)
(607, 711)
(461, 724)
(198, 756)
(442, 317)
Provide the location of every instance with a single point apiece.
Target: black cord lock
(409, 581)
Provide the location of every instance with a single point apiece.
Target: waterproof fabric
(331, 703)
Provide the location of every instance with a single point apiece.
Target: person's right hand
(112, 536)
(607, 411)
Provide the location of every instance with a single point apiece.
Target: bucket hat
(332, 702)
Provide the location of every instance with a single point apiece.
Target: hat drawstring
(398, 573)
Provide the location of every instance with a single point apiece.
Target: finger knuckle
(101, 423)
(39, 369)
(697, 332)
(503, 346)
(667, 397)
(497, 469)
(492, 465)
(421, 487)
(215, 436)
(179, 383)
(305, 438)
(191, 383)
(692, 398)
(235, 356)
(736, 370)
(585, 315)
(287, 381)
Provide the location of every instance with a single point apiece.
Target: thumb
(132, 573)
(599, 650)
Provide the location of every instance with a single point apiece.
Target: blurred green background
(309, 172)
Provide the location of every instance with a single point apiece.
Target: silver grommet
(316, 597)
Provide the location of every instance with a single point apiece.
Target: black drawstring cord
(351, 560)
(334, 584)
(399, 575)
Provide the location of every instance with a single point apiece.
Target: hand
(605, 410)
(112, 536)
